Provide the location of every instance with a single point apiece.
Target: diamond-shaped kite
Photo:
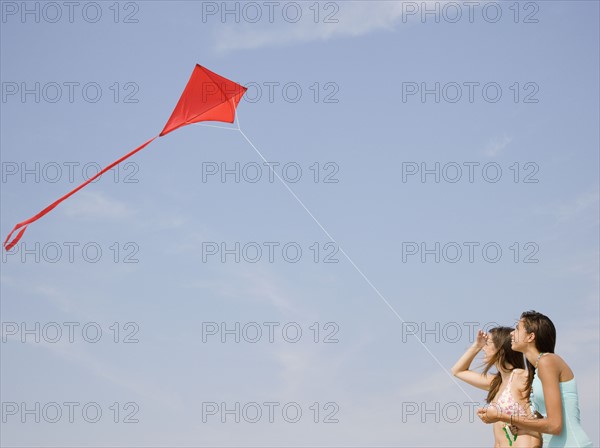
(206, 97)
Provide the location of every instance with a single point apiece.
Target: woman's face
(489, 349)
(519, 337)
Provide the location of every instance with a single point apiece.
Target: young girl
(551, 385)
(505, 388)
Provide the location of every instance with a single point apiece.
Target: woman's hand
(461, 368)
(489, 414)
(481, 339)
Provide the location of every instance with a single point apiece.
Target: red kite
(206, 97)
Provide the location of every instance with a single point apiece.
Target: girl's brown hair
(545, 338)
(505, 357)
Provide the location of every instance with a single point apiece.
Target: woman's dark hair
(505, 357)
(545, 338)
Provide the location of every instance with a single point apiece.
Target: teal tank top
(572, 435)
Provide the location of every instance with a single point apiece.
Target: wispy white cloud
(338, 20)
(251, 283)
(96, 205)
(132, 382)
(580, 204)
(585, 203)
(171, 222)
(352, 19)
(264, 286)
(56, 297)
(496, 145)
(36, 290)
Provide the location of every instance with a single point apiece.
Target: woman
(505, 388)
(551, 385)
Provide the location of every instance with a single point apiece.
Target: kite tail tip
(9, 245)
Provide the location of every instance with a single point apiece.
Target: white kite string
(218, 127)
(343, 252)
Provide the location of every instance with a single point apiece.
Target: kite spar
(206, 97)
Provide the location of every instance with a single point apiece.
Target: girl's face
(489, 349)
(519, 337)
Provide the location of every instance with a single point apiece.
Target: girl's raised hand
(481, 339)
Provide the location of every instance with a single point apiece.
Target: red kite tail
(23, 225)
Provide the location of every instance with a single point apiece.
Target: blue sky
(329, 94)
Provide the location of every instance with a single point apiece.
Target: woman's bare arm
(549, 374)
(461, 368)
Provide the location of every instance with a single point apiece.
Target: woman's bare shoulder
(550, 359)
(520, 373)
